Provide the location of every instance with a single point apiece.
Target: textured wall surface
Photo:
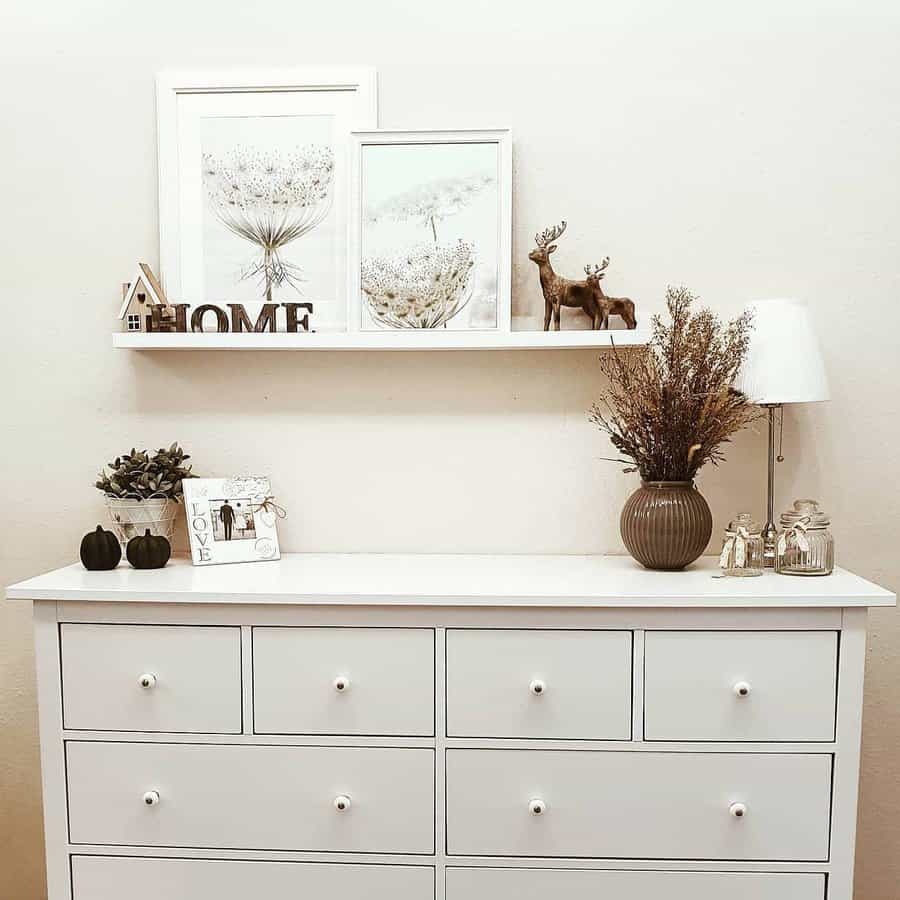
(745, 151)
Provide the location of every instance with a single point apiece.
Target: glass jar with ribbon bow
(742, 548)
(805, 545)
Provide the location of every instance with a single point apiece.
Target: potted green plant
(670, 407)
(143, 491)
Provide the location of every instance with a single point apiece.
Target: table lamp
(783, 365)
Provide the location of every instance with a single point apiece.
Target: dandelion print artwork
(270, 198)
(422, 287)
(431, 203)
(429, 235)
(272, 224)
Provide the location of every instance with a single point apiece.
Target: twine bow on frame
(738, 543)
(797, 533)
(270, 506)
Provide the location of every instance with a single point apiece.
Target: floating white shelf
(400, 340)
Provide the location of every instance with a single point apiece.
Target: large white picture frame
(277, 140)
(430, 236)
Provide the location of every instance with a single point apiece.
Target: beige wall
(743, 149)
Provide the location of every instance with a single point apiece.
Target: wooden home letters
(174, 318)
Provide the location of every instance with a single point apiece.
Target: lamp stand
(770, 531)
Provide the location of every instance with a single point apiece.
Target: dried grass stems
(671, 405)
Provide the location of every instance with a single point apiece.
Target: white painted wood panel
(582, 884)
(193, 684)
(262, 797)
(391, 580)
(353, 681)
(644, 805)
(425, 616)
(116, 878)
(53, 766)
(740, 686)
(539, 684)
(845, 790)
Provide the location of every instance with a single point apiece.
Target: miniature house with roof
(143, 302)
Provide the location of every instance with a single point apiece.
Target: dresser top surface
(450, 580)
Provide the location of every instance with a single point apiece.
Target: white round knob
(147, 681)
(342, 803)
(738, 810)
(741, 689)
(537, 807)
(151, 798)
(341, 684)
(537, 687)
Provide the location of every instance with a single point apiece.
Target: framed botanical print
(253, 185)
(430, 230)
(231, 520)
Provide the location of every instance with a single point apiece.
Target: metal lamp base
(770, 532)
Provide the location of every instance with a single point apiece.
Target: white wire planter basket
(132, 516)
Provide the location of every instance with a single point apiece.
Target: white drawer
(355, 681)
(193, 684)
(584, 884)
(740, 686)
(638, 804)
(115, 878)
(539, 684)
(266, 798)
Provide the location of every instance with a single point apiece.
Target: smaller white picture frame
(231, 520)
(359, 142)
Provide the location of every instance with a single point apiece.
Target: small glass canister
(742, 548)
(805, 545)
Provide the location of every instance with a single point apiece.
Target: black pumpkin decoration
(148, 551)
(100, 550)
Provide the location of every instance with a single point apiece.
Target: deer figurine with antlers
(609, 306)
(559, 291)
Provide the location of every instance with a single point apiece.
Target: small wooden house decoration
(144, 306)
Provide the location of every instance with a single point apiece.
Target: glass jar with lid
(742, 547)
(805, 545)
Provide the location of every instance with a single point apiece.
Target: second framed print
(430, 230)
(253, 172)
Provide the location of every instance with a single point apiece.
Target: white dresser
(448, 728)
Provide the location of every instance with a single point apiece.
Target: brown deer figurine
(609, 306)
(559, 291)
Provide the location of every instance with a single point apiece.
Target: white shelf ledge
(381, 340)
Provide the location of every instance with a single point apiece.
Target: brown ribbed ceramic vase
(666, 524)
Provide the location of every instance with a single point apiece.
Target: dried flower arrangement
(671, 405)
(140, 476)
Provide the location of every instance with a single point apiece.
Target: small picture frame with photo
(231, 520)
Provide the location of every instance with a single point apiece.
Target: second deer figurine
(609, 306)
(559, 291)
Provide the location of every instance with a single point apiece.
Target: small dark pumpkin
(148, 551)
(100, 550)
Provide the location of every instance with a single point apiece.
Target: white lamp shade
(784, 363)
